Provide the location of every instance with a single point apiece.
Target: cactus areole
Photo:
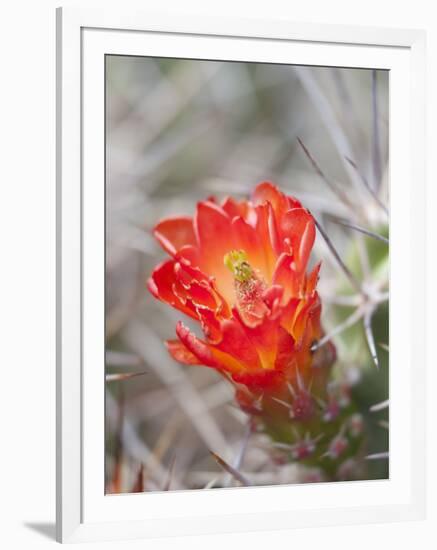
(240, 270)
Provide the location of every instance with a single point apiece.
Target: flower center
(249, 286)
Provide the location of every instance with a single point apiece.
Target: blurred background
(178, 131)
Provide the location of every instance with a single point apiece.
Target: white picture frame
(83, 512)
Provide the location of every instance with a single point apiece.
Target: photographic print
(247, 274)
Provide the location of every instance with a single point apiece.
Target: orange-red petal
(287, 277)
(208, 355)
(305, 318)
(298, 226)
(268, 192)
(194, 345)
(285, 350)
(236, 343)
(210, 323)
(174, 233)
(181, 353)
(161, 285)
(312, 279)
(215, 236)
(267, 229)
(263, 337)
(234, 208)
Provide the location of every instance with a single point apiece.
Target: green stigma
(236, 262)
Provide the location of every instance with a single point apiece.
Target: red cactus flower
(240, 270)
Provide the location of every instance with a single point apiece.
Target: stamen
(249, 286)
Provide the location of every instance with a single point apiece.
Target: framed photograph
(240, 275)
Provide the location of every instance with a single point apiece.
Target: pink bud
(337, 446)
(344, 397)
(356, 425)
(332, 410)
(302, 407)
(312, 476)
(346, 470)
(303, 449)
